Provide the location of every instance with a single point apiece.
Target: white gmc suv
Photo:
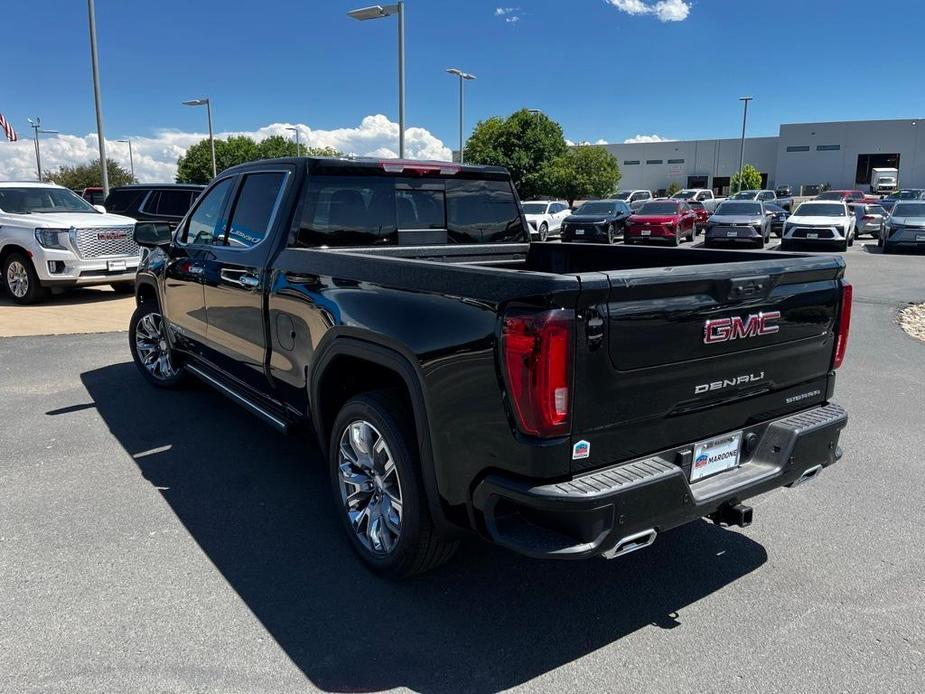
(51, 237)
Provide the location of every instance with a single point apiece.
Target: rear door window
(173, 203)
(254, 209)
(124, 200)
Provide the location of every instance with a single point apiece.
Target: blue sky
(604, 70)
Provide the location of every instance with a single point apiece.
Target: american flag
(8, 129)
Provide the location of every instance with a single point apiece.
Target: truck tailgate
(672, 355)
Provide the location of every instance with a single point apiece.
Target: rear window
(659, 208)
(174, 203)
(125, 200)
(374, 210)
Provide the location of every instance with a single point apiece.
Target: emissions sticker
(580, 450)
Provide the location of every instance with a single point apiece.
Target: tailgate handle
(741, 288)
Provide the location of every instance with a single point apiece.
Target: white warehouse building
(802, 155)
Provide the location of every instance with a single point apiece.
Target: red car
(661, 220)
(702, 213)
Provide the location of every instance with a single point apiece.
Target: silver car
(738, 221)
(904, 228)
(869, 219)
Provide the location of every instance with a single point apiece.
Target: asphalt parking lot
(154, 541)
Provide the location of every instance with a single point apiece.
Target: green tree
(673, 187)
(748, 178)
(585, 171)
(195, 166)
(90, 175)
(526, 144)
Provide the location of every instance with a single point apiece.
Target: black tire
(544, 231)
(693, 233)
(676, 239)
(418, 548)
(610, 234)
(843, 246)
(143, 319)
(850, 239)
(123, 287)
(20, 280)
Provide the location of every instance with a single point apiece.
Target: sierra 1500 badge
(726, 329)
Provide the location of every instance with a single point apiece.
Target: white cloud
(601, 141)
(511, 14)
(665, 10)
(636, 139)
(156, 157)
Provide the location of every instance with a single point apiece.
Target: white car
(694, 195)
(51, 237)
(545, 217)
(819, 222)
(634, 198)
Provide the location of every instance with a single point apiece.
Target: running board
(279, 424)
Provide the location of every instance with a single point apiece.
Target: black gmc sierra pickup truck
(561, 400)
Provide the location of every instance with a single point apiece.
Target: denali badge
(726, 329)
(728, 383)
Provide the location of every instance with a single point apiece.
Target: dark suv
(159, 202)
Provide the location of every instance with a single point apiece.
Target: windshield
(737, 208)
(906, 195)
(823, 210)
(745, 195)
(659, 208)
(534, 208)
(37, 200)
(830, 195)
(596, 208)
(684, 195)
(909, 209)
(623, 195)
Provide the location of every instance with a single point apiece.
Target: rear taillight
(535, 352)
(844, 325)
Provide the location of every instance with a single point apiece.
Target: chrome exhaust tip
(631, 544)
(808, 475)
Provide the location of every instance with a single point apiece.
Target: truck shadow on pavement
(259, 505)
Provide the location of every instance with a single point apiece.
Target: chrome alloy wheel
(17, 279)
(152, 348)
(370, 487)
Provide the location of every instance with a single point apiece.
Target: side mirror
(100, 209)
(152, 234)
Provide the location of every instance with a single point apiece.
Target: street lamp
(745, 100)
(131, 159)
(377, 12)
(208, 104)
(36, 126)
(463, 76)
(298, 146)
(95, 60)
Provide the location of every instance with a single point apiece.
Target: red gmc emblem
(111, 235)
(736, 328)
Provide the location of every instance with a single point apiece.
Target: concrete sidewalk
(92, 310)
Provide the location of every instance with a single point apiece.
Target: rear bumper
(592, 513)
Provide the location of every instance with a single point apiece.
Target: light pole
(94, 59)
(745, 100)
(298, 146)
(208, 104)
(377, 12)
(131, 159)
(36, 126)
(463, 76)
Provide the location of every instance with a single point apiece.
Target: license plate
(646, 232)
(115, 266)
(920, 237)
(732, 234)
(812, 235)
(579, 232)
(716, 455)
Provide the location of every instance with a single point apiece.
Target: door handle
(240, 277)
(249, 281)
(196, 270)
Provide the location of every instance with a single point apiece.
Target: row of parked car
(833, 218)
(52, 238)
